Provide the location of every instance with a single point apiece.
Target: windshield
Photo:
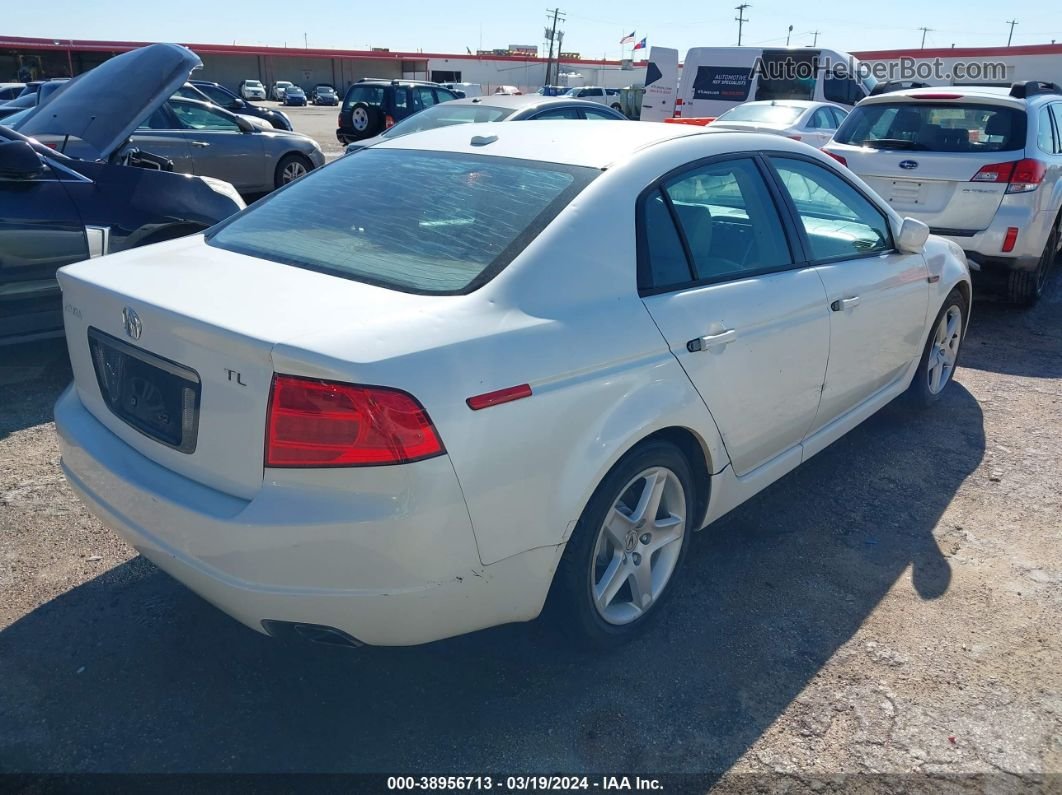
(921, 125)
(254, 83)
(769, 114)
(423, 222)
(571, 92)
(446, 114)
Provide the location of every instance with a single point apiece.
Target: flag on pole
(640, 45)
(628, 38)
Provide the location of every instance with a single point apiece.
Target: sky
(592, 28)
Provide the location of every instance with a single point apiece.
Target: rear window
(422, 222)
(446, 114)
(370, 95)
(934, 127)
(771, 114)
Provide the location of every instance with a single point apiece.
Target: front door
(750, 328)
(878, 296)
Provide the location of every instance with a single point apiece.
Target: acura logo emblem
(131, 323)
(908, 164)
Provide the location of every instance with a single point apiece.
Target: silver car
(499, 107)
(203, 139)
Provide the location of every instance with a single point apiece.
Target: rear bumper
(984, 249)
(389, 559)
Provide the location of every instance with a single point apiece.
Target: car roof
(565, 142)
(790, 103)
(521, 101)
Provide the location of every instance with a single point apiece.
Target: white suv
(982, 166)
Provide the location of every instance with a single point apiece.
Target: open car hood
(103, 106)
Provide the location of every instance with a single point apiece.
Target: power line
(740, 18)
(1012, 23)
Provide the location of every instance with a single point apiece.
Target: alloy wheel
(292, 171)
(945, 349)
(638, 546)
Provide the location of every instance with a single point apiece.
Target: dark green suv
(372, 105)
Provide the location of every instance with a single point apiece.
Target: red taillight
(838, 158)
(315, 423)
(1010, 239)
(339, 123)
(793, 137)
(389, 122)
(1022, 175)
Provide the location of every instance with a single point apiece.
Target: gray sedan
(205, 140)
(498, 107)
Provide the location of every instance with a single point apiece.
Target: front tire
(940, 356)
(627, 549)
(290, 168)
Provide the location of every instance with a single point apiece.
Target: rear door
(878, 296)
(40, 231)
(748, 325)
(932, 158)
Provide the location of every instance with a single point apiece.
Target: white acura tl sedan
(452, 379)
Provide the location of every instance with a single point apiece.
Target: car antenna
(66, 140)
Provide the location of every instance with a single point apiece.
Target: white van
(715, 79)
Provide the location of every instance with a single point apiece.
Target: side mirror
(237, 103)
(912, 236)
(18, 160)
(244, 125)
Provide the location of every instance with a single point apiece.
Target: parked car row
(89, 171)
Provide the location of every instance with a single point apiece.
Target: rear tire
(291, 167)
(940, 357)
(1025, 287)
(627, 550)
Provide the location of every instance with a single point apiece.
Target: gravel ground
(891, 607)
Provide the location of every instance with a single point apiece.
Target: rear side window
(1056, 113)
(928, 126)
(666, 259)
(728, 220)
(422, 222)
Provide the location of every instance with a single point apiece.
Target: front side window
(838, 87)
(926, 125)
(728, 220)
(597, 115)
(425, 222)
(838, 220)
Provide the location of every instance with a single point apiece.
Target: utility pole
(924, 32)
(740, 18)
(305, 42)
(787, 35)
(815, 41)
(1012, 23)
(552, 35)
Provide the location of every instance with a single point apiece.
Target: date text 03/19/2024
(523, 783)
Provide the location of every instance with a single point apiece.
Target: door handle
(843, 304)
(200, 143)
(722, 339)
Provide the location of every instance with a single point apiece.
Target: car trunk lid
(184, 327)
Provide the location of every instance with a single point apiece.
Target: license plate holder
(155, 396)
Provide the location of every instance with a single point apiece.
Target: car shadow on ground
(131, 672)
(1004, 338)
